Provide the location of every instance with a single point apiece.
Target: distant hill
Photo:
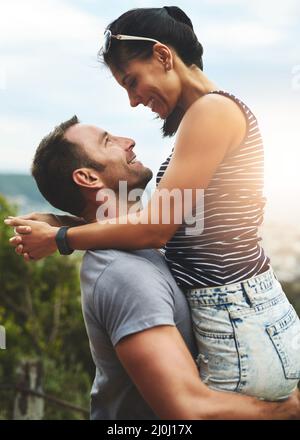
(21, 190)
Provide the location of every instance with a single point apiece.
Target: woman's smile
(155, 105)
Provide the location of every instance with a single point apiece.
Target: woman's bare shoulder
(218, 110)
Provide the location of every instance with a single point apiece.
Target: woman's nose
(134, 100)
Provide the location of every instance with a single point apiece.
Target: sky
(49, 72)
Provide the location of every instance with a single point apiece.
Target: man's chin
(148, 175)
(144, 179)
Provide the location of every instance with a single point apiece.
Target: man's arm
(162, 368)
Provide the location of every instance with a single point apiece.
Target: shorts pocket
(285, 335)
(218, 361)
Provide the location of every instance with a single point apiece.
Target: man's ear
(163, 54)
(87, 178)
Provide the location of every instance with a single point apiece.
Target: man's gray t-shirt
(124, 293)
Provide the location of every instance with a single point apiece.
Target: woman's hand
(51, 219)
(33, 239)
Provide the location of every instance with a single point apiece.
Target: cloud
(243, 35)
(49, 70)
(282, 13)
(48, 64)
(241, 24)
(19, 138)
(33, 23)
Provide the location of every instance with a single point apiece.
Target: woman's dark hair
(169, 25)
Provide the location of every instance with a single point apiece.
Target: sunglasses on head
(108, 36)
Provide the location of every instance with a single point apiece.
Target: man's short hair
(54, 162)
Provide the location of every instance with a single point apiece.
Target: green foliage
(41, 312)
(292, 290)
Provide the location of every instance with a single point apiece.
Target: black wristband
(62, 242)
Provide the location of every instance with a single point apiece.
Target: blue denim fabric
(248, 336)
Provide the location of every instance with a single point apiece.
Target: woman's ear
(163, 55)
(87, 178)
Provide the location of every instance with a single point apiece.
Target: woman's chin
(163, 113)
(166, 114)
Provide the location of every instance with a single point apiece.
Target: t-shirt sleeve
(130, 296)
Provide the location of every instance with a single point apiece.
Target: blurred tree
(41, 312)
(292, 290)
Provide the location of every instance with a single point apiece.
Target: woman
(244, 325)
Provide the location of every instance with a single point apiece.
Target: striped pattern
(228, 249)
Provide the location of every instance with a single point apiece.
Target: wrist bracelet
(62, 242)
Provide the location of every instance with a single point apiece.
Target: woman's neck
(194, 85)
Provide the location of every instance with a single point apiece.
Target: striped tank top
(228, 250)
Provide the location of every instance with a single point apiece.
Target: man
(137, 318)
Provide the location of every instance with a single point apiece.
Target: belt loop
(248, 297)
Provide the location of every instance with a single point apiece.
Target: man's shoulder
(127, 284)
(101, 259)
(113, 266)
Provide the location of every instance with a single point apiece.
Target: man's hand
(35, 239)
(289, 408)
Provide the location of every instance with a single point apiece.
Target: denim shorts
(248, 337)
